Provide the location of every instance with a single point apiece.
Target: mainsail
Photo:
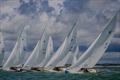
(97, 48)
(38, 53)
(1, 48)
(16, 59)
(67, 46)
(49, 52)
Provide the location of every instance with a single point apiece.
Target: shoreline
(107, 66)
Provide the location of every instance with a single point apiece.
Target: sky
(58, 16)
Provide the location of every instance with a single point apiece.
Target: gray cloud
(58, 19)
(33, 7)
(75, 5)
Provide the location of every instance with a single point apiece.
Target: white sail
(97, 48)
(68, 45)
(38, 53)
(49, 52)
(14, 59)
(1, 48)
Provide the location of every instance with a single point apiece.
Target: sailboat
(67, 46)
(38, 54)
(1, 48)
(16, 57)
(96, 50)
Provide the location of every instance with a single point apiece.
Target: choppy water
(103, 74)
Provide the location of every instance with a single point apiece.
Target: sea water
(102, 74)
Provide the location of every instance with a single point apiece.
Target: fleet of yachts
(65, 59)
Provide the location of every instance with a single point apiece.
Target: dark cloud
(1, 1)
(117, 35)
(10, 44)
(34, 7)
(27, 8)
(113, 47)
(75, 5)
(45, 6)
(101, 18)
(3, 16)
